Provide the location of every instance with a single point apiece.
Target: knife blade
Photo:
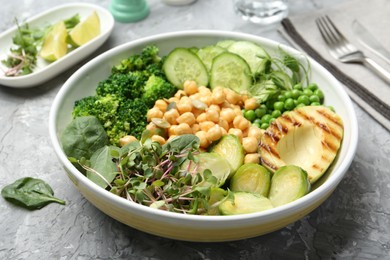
(369, 41)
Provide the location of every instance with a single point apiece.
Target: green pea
(264, 126)
(296, 93)
(312, 86)
(250, 115)
(307, 92)
(298, 86)
(256, 124)
(288, 94)
(281, 97)
(276, 113)
(319, 93)
(332, 108)
(257, 121)
(300, 105)
(279, 105)
(314, 98)
(304, 100)
(289, 104)
(260, 111)
(315, 103)
(266, 118)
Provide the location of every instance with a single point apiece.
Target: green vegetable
(244, 203)
(82, 137)
(123, 99)
(231, 71)
(181, 64)
(30, 193)
(230, 148)
(217, 196)
(252, 178)
(103, 170)
(208, 53)
(288, 183)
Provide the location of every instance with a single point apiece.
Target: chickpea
(223, 130)
(215, 107)
(182, 129)
(237, 132)
(218, 96)
(159, 139)
(224, 124)
(196, 111)
(196, 96)
(201, 118)
(256, 132)
(195, 128)
(250, 144)
(206, 99)
(151, 127)
(171, 137)
(204, 91)
(212, 115)
(186, 117)
(227, 114)
(161, 104)
(205, 126)
(180, 93)
(171, 116)
(190, 87)
(231, 96)
(172, 130)
(251, 104)
(126, 139)
(184, 106)
(154, 113)
(214, 133)
(241, 122)
(173, 99)
(237, 110)
(252, 158)
(204, 142)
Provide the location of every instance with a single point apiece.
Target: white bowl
(45, 70)
(191, 227)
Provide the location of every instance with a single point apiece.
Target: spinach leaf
(83, 136)
(30, 193)
(103, 169)
(182, 142)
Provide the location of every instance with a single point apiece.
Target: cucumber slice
(251, 177)
(256, 57)
(208, 53)
(245, 202)
(288, 184)
(225, 43)
(182, 64)
(218, 166)
(230, 148)
(230, 71)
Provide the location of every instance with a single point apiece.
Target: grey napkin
(363, 86)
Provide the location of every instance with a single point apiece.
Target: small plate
(45, 70)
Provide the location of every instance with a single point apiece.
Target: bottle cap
(129, 11)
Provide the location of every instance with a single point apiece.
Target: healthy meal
(49, 42)
(218, 130)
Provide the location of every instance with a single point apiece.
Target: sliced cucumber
(253, 178)
(229, 70)
(225, 43)
(218, 166)
(245, 202)
(288, 184)
(182, 64)
(230, 148)
(256, 57)
(208, 53)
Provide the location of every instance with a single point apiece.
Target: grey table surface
(354, 223)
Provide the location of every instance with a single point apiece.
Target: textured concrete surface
(354, 223)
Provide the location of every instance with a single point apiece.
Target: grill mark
(273, 136)
(268, 164)
(330, 146)
(331, 118)
(269, 149)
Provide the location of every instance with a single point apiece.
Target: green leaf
(104, 169)
(30, 193)
(182, 142)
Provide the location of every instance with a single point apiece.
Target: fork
(341, 49)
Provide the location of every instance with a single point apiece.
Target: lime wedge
(85, 30)
(54, 45)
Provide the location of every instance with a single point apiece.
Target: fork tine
(324, 31)
(335, 30)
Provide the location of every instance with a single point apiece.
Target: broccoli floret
(131, 119)
(124, 86)
(157, 88)
(138, 62)
(103, 108)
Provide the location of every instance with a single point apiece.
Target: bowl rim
(293, 207)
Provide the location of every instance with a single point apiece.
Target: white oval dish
(45, 70)
(191, 227)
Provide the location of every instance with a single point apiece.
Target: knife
(369, 41)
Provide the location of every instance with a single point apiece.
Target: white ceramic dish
(190, 227)
(45, 70)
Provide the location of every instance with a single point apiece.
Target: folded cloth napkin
(364, 87)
